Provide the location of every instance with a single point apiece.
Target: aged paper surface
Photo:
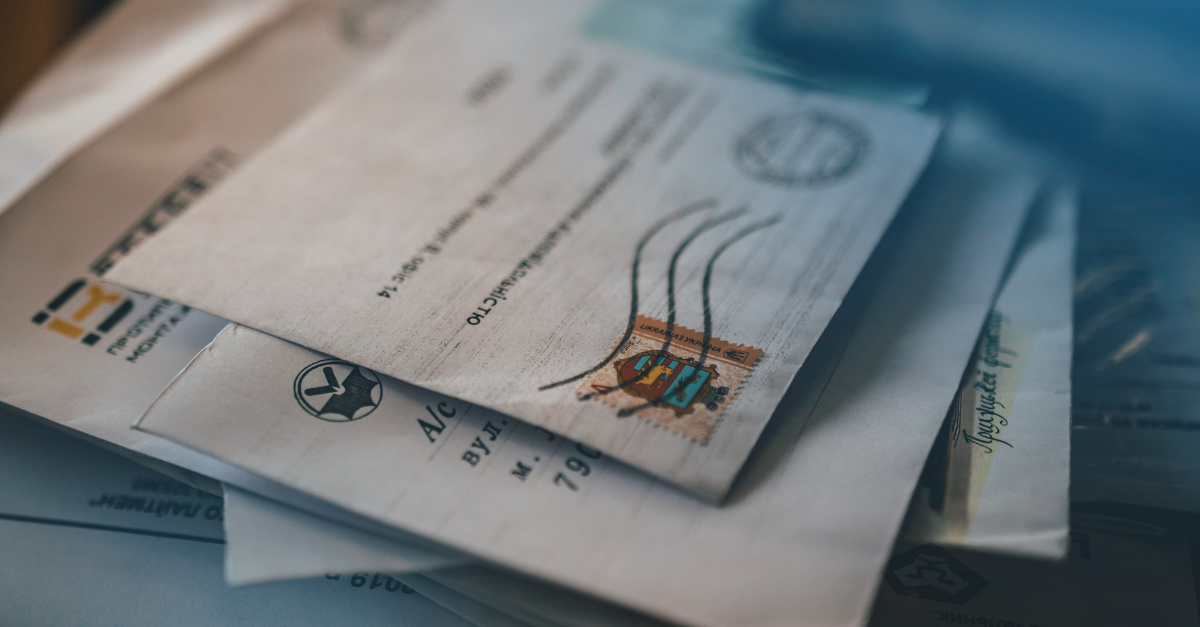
(519, 194)
(923, 583)
(261, 541)
(1025, 512)
(800, 541)
(998, 477)
(88, 355)
(91, 538)
(135, 53)
(265, 536)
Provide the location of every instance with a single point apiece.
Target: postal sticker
(673, 382)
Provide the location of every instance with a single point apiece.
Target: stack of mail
(550, 312)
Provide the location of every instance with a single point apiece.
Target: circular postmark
(337, 391)
(373, 23)
(804, 148)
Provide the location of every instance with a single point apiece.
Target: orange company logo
(88, 302)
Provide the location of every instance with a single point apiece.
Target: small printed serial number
(377, 580)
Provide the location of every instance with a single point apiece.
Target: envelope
(91, 538)
(804, 536)
(1014, 501)
(628, 251)
(90, 357)
(998, 477)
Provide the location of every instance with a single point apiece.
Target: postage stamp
(683, 388)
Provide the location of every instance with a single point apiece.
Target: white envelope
(999, 475)
(632, 252)
(1022, 508)
(92, 357)
(90, 538)
(269, 541)
(801, 540)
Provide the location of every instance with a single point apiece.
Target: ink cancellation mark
(683, 389)
(672, 384)
(802, 149)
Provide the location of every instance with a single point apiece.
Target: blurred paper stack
(561, 313)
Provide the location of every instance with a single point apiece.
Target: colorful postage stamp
(683, 388)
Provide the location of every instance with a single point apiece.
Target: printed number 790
(575, 464)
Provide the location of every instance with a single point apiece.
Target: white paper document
(268, 537)
(1117, 572)
(89, 355)
(136, 52)
(803, 537)
(269, 541)
(1023, 510)
(999, 474)
(90, 538)
(625, 250)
